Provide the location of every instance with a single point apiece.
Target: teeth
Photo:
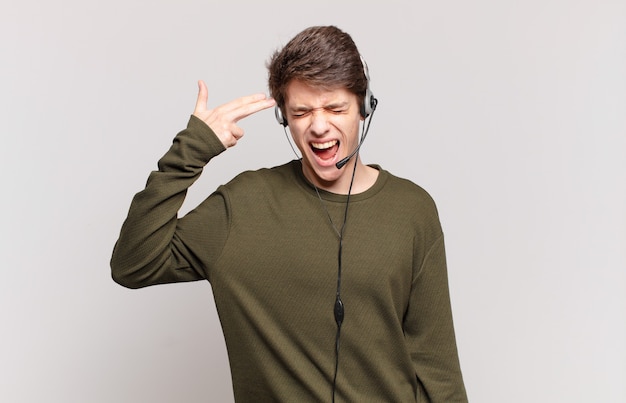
(323, 146)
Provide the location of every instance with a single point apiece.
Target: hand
(223, 119)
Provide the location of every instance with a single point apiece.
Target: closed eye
(338, 111)
(300, 114)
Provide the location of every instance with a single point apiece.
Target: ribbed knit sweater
(269, 247)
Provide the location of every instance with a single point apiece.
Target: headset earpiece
(369, 103)
(279, 116)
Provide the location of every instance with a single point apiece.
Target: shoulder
(280, 173)
(409, 204)
(405, 191)
(254, 183)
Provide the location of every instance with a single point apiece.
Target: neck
(364, 178)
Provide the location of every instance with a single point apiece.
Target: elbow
(123, 276)
(123, 280)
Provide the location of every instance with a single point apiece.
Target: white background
(512, 114)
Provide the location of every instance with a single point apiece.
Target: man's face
(324, 125)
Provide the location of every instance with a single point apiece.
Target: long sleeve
(429, 331)
(156, 247)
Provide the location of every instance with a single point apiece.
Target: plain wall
(510, 113)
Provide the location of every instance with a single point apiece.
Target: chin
(322, 173)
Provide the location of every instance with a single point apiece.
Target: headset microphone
(344, 161)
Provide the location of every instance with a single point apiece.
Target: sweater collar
(307, 186)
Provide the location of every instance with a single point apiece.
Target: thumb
(203, 97)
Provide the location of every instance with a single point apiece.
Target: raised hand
(223, 119)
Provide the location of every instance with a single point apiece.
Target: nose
(319, 123)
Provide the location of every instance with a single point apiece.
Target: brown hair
(322, 57)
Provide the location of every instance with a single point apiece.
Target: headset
(367, 107)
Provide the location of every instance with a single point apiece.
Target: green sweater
(266, 244)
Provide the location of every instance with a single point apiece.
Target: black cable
(339, 307)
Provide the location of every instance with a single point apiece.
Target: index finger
(248, 105)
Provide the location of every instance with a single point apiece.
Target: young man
(329, 275)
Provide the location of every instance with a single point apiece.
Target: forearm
(149, 251)
(430, 332)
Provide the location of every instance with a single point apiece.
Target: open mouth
(325, 151)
